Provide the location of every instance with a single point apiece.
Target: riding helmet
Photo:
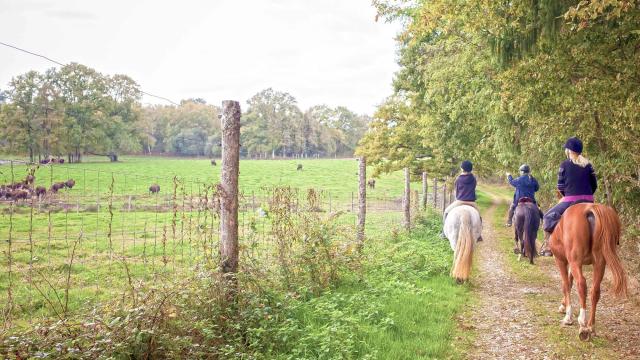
(466, 166)
(525, 168)
(574, 144)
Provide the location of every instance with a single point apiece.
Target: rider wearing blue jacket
(526, 187)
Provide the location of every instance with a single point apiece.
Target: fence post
(406, 205)
(424, 190)
(435, 193)
(229, 191)
(362, 201)
(352, 202)
(444, 197)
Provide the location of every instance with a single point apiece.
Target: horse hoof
(562, 309)
(519, 257)
(459, 281)
(585, 334)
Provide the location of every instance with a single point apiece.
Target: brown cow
(70, 183)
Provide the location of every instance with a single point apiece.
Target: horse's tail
(607, 231)
(529, 238)
(463, 254)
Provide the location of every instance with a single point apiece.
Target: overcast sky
(321, 51)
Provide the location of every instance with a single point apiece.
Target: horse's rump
(527, 223)
(593, 230)
(462, 227)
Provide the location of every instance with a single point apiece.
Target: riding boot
(512, 209)
(544, 249)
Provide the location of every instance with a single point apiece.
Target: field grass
(403, 306)
(109, 229)
(134, 174)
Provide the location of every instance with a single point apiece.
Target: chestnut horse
(587, 234)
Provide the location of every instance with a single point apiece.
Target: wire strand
(61, 64)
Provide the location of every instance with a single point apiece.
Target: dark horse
(527, 223)
(587, 234)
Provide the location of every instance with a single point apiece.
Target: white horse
(462, 227)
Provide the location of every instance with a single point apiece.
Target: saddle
(524, 200)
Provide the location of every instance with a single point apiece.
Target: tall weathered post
(435, 193)
(406, 203)
(424, 190)
(444, 197)
(362, 201)
(229, 190)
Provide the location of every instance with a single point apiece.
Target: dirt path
(515, 315)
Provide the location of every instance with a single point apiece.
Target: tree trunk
(424, 190)
(229, 191)
(406, 203)
(362, 201)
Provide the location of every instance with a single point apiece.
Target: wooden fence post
(435, 193)
(424, 190)
(444, 197)
(406, 205)
(362, 201)
(415, 207)
(230, 120)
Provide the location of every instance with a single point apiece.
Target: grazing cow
(29, 179)
(154, 189)
(41, 191)
(299, 167)
(61, 161)
(213, 162)
(57, 186)
(70, 183)
(372, 183)
(20, 195)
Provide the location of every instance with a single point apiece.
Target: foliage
(274, 124)
(503, 83)
(76, 111)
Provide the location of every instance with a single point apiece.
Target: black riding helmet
(524, 168)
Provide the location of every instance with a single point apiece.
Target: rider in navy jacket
(576, 182)
(526, 187)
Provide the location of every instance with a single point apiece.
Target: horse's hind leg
(565, 307)
(598, 274)
(576, 269)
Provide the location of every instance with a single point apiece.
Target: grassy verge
(402, 306)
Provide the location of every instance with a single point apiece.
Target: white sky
(321, 51)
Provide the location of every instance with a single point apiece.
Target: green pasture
(109, 217)
(133, 175)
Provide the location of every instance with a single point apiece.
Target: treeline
(505, 83)
(75, 110)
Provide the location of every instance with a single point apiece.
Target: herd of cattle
(24, 189)
(52, 161)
